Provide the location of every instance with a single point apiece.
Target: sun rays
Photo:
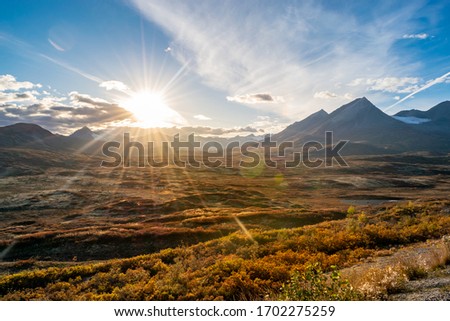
(151, 110)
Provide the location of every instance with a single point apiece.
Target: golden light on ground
(151, 110)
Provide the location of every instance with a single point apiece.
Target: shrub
(315, 285)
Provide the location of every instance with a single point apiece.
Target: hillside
(370, 131)
(238, 267)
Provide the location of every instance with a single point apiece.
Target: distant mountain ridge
(439, 112)
(371, 131)
(83, 133)
(435, 120)
(23, 134)
(368, 129)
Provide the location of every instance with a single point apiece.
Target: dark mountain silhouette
(435, 120)
(32, 136)
(439, 112)
(83, 133)
(305, 126)
(368, 130)
(23, 134)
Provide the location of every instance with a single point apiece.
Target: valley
(71, 229)
(68, 217)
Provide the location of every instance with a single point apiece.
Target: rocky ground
(434, 287)
(419, 272)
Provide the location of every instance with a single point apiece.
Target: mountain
(361, 122)
(434, 120)
(32, 136)
(439, 112)
(23, 134)
(304, 126)
(83, 133)
(368, 130)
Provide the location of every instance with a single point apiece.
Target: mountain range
(368, 130)
(371, 131)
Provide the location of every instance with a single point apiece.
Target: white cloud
(202, 117)
(267, 124)
(348, 96)
(256, 99)
(356, 82)
(10, 97)
(420, 36)
(330, 95)
(325, 94)
(114, 85)
(28, 102)
(388, 84)
(412, 120)
(394, 84)
(9, 82)
(86, 100)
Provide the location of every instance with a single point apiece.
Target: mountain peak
(22, 134)
(83, 133)
(85, 129)
(306, 125)
(440, 112)
(356, 107)
(320, 113)
(361, 102)
(27, 129)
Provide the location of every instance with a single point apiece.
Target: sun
(151, 110)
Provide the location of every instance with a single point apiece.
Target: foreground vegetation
(289, 264)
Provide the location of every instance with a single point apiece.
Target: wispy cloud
(420, 36)
(256, 99)
(439, 80)
(202, 117)
(253, 47)
(55, 45)
(29, 50)
(74, 69)
(388, 84)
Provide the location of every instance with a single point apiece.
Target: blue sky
(251, 66)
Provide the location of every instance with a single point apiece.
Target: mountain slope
(435, 120)
(34, 137)
(23, 134)
(83, 133)
(304, 126)
(368, 130)
(439, 112)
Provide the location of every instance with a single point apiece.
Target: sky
(232, 66)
